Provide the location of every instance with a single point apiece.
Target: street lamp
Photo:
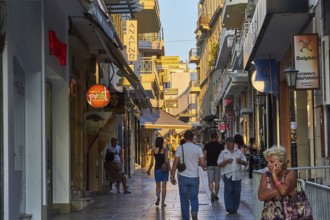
(237, 112)
(291, 78)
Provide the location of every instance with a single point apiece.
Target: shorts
(213, 174)
(160, 176)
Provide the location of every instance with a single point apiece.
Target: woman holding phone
(278, 181)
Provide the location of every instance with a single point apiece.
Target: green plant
(214, 47)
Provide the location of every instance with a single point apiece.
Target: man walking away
(191, 155)
(212, 151)
(231, 160)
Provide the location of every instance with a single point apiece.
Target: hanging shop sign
(57, 48)
(306, 60)
(132, 42)
(98, 96)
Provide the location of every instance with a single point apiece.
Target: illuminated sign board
(57, 48)
(98, 96)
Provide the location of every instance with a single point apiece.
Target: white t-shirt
(192, 153)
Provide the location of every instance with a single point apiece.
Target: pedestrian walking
(160, 155)
(191, 156)
(231, 160)
(212, 151)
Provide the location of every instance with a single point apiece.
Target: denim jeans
(188, 189)
(232, 193)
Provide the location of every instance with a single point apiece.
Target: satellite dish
(120, 73)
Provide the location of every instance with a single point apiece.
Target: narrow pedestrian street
(140, 204)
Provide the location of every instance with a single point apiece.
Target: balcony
(194, 87)
(122, 6)
(233, 13)
(149, 77)
(148, 18)
(225, 45)
(194, 55)
(203, 22)
(151, 44)
(231, 84)
(264, 37)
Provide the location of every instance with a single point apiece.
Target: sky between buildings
(178, 19)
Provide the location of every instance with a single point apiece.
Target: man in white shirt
(188, 180)
(230, 161)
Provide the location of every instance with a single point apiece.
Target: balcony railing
(194, 55)
(203, 21)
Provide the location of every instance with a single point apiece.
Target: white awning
(158, 119)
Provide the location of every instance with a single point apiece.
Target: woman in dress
(160, 156)
(278, 181)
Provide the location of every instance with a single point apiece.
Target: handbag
(181, 166)
(272, 209)
(164, 168)
(297, 207)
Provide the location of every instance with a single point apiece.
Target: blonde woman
(278, 181)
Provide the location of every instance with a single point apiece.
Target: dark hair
(182, 141)
(239, 140)
(113, 139)
(214, 135)
(188, 135)
(159, 142)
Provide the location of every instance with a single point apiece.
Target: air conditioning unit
(326, 69)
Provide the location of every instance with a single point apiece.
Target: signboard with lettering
(171, 91)
(168, 62)
(171, 103)
(131, 40)
(98, 96)
(306, 60)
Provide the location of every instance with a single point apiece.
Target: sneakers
(231, 211)
(214, 197)
(127, 192)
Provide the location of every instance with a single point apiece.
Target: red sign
(223, 126)
(57, 48)
(98, 96)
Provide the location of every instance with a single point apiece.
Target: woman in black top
(160, 156)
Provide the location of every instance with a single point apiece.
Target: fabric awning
(158, 119)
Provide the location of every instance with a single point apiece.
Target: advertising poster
(306, 60)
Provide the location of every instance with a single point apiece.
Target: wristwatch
(172, 177)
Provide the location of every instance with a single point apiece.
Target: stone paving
(140, 204)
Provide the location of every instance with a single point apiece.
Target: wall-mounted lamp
(291, 78)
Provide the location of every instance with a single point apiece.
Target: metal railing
(315, 181)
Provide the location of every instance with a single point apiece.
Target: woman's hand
(277, 168)
(148, 172)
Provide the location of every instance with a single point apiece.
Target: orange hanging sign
(98, 96)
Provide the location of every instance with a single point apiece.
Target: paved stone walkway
(140, 204)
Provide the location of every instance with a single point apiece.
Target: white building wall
(22, 175)
(25, 176)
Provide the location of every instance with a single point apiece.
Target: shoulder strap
(182, 153)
